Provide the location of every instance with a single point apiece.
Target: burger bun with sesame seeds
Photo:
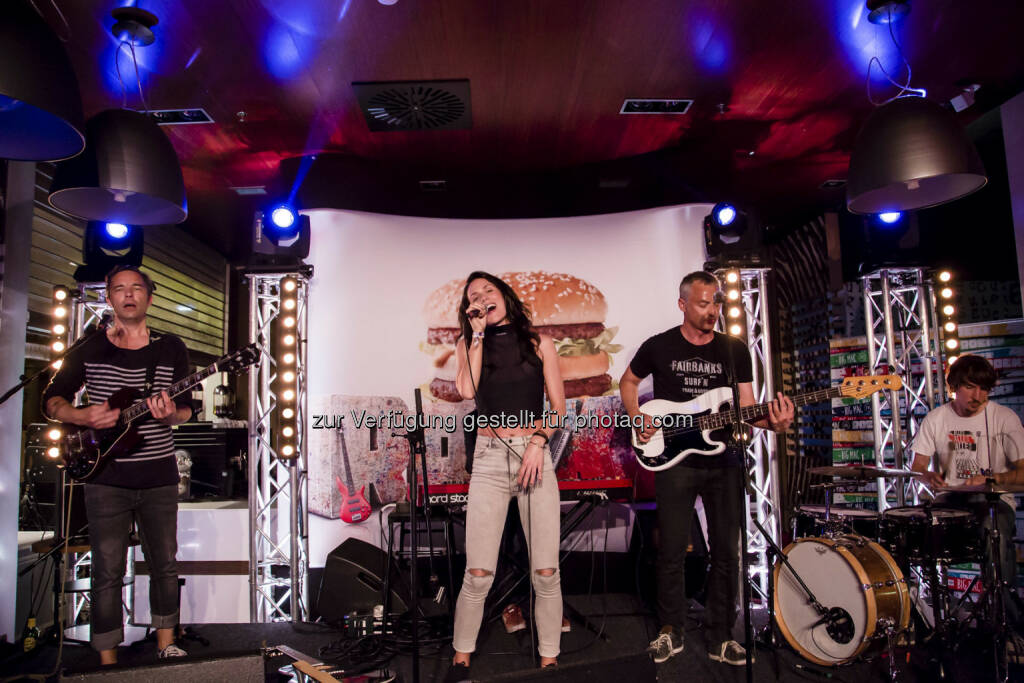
(569, 310)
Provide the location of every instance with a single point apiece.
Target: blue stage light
(890, 217)
(724, 214)
(116, 231)
(283, 216)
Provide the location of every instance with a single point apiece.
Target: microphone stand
(738, 427)
(26, 380)
(417, 449)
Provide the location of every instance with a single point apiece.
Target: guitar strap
(154, 357)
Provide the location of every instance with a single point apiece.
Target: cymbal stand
(993, 595)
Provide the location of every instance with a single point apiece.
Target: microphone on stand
(104, 322)
(477, 313)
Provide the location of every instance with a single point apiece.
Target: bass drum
(848, 572)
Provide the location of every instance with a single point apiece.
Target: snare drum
(810, 521)
(954, 536)
(849, 572)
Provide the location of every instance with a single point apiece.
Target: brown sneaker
(512, 617)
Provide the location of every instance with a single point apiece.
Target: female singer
(503, 363)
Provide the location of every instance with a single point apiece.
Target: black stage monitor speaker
(353, 581)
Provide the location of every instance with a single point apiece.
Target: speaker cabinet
(353, 581)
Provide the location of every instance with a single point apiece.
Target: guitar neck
(754, 412)
(141, 408)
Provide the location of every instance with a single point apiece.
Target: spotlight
(60, 312)
(945, 276)
(54, 434)
(723, 214)
(287, 451)
(59, 329)
(948, 309)
(288, 376)
(732, 277)
(731, 236)
(289, 284)
(289, 321)
(890, 217)
(287, 432)
(283, 217)
(736, 330)
(288, 339)
(116, 231)
(289, 304)
(60, 293)
(952, 359)
(57, 363)
(946, 293)
(287, 413)
(733, 295)
(288, 358)
(952, 344)
(734, 311)
(288, 395)
(950, 326)
(53, 452)
(57, 346)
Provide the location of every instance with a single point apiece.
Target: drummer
(974, 440)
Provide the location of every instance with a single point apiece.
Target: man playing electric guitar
(143, 484)
(686, 362)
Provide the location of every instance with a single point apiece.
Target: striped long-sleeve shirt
(103, 368)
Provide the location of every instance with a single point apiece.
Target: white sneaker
(171, 650)
(664, 646)
(731, 652)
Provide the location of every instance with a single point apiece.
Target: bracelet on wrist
(478, 335)
(541, 435)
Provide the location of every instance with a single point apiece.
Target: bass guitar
(703, 425)
(354, 507)
(85, 451)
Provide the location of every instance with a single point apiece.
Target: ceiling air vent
(179, 117)
(645, 106)
(415, 105)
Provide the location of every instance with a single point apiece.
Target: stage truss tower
(278, 511)
(761, 451)
(903, 339)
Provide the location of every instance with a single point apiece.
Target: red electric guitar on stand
(354, 506)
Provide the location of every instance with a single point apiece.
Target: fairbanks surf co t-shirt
(683, 371)
(983, 444)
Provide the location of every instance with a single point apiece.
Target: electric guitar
(85, 451)
(354, 507)
(702, 425)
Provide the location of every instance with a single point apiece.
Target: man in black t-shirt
(142, 484)
(686, 362)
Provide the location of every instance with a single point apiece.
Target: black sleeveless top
(509, 383)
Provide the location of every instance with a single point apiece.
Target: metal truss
(278, 509)
(762, 467)
(903, 339)
(762, 464)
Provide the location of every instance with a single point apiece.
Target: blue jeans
(110, 510)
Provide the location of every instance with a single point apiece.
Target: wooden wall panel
(190, 299)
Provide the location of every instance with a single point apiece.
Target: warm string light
(734, 314)
(59, 328)
(287, 378)
(948, 323)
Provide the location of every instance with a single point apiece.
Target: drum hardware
(862, 472)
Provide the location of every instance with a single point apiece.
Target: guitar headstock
(240, 359)
(862, 387)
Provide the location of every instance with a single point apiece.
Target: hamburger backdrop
(569, 310)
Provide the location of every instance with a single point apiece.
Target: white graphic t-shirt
(968, 446)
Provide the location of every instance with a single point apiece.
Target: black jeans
(721, 491)
(110, 510)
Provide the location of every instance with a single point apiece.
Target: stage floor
(627, 625)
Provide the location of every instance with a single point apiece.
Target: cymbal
(861, 472)
(988, 487)
(838, 483)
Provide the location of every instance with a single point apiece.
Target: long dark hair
(516, 311)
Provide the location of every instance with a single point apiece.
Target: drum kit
(841, 591)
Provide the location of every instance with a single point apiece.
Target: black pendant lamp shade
(40, 107)
(129, 173)
(911, 154)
